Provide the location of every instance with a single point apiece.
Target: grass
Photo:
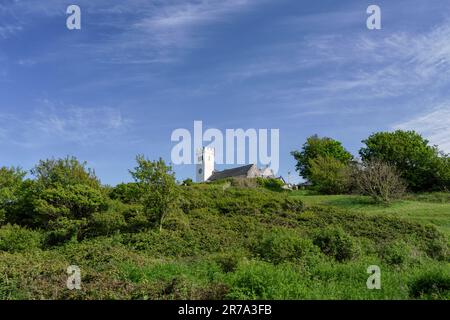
(421, 210)
(247, 243)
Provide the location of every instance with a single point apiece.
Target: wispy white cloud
(162, 31)
(59, 123)
(7, 31)
(433, 125)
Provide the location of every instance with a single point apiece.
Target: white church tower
(205, 164)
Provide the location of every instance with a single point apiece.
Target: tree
(159, 188)
(330, 176)
(129, 193)
(443, 172)
(63, 195)
(379, 180)
(316, 147)
(66, 171)
(11, 180)
(410, 153)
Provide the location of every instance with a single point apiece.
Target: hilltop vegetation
(227, 240)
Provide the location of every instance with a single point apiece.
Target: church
(205, 171)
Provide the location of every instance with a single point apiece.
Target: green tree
(315, 147)
(129, 193)
(11, 180)
(417, 161)
(330, 176)
(160, 194)
(63, 194)
(64, 172)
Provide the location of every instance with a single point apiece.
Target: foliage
(187, 182)
(417, 161)
(157, 182)
(336, 243)
(272, 184)
(315, 147)
(65, 172)
(431, 284)
(11, 180)
(280, 246)
(218, 241)
(380, 181)
(330, 176)
(128, 193)
(14, 238)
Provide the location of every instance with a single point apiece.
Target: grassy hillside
(431, 209)
(243, 243)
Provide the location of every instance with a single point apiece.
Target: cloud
(57, 123)
(162, 31)
(433, 125)
(7, 31)
(395, 65)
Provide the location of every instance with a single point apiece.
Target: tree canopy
(316, 147)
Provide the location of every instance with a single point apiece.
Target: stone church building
(205, 169)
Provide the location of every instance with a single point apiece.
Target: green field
(429, 211)
(241, 243)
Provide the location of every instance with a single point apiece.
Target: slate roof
(235, 172)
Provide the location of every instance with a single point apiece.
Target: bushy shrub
(282, 246)
(431, 284)
(271, 184)
(73, 201)
(106, 223)
(11, 180)
(336, 243)
(128, 193)
(437, 248)
(64, 229)
(229, 261)
(396, 253)
(293, 205)
(187, 182)
(14, 238)
(379, 180)
(329, 175)
(261, 280)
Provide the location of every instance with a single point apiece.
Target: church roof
(235, 172)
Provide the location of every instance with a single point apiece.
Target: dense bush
(107, 223)
(431, 284)
(396, 252)
(280, 246)
(128, 193)
(271, 184)
(14, 238)
(11, 180)
(336, 243)
(63, 229)
(330, 176)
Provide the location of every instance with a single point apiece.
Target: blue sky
(140, 69)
